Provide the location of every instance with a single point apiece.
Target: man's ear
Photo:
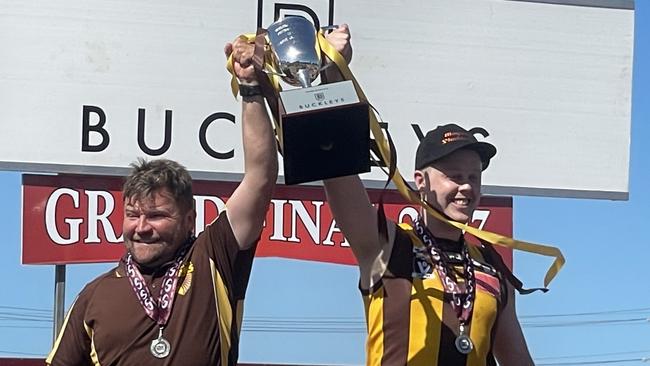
(419, 177)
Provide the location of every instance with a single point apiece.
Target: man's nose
(465, 186)
(142, 224)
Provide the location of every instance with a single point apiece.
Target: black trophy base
(326, 143)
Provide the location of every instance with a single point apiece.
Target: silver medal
(464, 344)
(160, 347)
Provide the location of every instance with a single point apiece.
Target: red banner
(78, 219)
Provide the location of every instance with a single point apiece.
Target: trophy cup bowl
(295, 50)
(325, 128)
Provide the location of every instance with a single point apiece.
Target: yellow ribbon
(382, 142)
(397, 179)
(234, 84)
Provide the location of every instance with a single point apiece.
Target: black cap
(444, 140)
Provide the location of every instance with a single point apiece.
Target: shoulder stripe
(50, 357)
(93, 351)
(224, 312)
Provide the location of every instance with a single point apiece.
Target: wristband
(249, 90)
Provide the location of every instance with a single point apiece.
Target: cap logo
(448, 137)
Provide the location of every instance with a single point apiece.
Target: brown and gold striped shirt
(408, 321)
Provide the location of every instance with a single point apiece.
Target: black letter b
(86, 128)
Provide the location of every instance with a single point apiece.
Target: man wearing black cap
(430, 299)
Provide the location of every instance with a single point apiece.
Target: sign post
(59, 299)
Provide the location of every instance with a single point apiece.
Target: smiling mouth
(145, 242)
(462, 201)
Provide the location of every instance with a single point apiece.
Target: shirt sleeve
(73, 344)
(232, 263)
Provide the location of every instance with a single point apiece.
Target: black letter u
(168, 134)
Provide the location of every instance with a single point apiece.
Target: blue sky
(605, 279)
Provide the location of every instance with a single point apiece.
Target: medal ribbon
(384, 148)
(158, 310)
(461, 301)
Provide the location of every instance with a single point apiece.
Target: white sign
(88, 86)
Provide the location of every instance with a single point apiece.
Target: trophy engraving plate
(319, 97)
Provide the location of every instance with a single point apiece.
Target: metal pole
(59, 298)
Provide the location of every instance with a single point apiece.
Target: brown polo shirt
(106, 325)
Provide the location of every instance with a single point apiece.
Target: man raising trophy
(429, 298)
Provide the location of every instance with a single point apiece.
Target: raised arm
(510, 347)
(248, 204)
(347, 197)
(357, 219)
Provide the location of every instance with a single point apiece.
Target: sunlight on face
(155, 228)
(453, 184)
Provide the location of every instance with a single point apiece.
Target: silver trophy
(325, 129)
(295, 50)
